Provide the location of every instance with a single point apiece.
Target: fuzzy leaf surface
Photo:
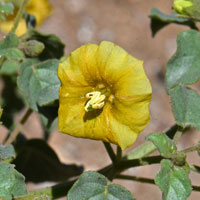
(173, 182)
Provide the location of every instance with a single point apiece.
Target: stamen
(96, 100)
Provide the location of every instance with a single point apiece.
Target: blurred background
(126, 23)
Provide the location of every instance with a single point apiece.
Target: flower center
(96, 101)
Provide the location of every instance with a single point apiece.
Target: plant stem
(15, 133)
(19, 15)
(195, 168)
(148, 148)
(191, 149)
(135, 178)
(110, 151)
(147, 180)
(126, 164)
(119, 155)
(177, 135)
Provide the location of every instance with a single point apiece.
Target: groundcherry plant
(99, 92)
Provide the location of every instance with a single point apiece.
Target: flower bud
(32, 48)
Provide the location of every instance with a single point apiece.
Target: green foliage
(188, 8)
(39, 82)
(38, 162)
(7, 153)
(92, 185)
(182, 69)
(184, 66)
(10, 67)
(5, 9)
(159, 20)
(164, 144)
(173, 181)
(186, 106)
(11, 182)
(10, 55)
(8, 48)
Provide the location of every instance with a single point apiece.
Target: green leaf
(39, 82)
(173, 182)
(11, 182)
(92, 185)
(54, 48)
(159, 20)
(7, 152)
(164, 144)
(184, 66)
(35, 151)
(8, 48)
(188, 8)
(185, 106)
(6, 8)
(10, 41)
(10, 67)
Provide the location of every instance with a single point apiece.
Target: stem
(177, 135)
(18, 128)
(19, 15)
(147, 180)
(141, 151)
(126, 164)
(195, 168)
(135, 178)
(192, 148)
(119, 154)
(110, 151)
(148, 148)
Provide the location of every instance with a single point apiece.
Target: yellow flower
(41, 9)
(181, 5)
(104, 94)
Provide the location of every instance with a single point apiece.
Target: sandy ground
(126, 23)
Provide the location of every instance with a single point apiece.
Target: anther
(96, 100)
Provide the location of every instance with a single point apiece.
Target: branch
(19, 15)
(110, 151)
(18, 128)
(147, 180)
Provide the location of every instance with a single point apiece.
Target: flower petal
(70, 74)
(132, 85)
(84, 60)
(125, 136)
(76, 122)
(134, 114)
(114, 62)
